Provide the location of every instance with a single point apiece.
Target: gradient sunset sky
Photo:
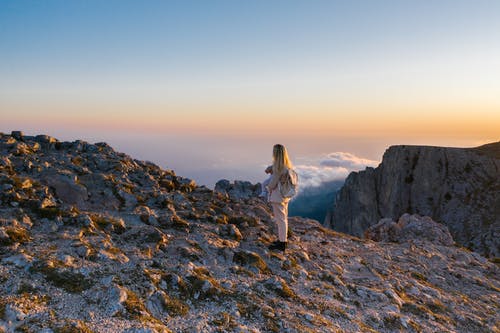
(213, 84)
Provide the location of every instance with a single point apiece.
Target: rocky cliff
(459, 187)
(92, 240)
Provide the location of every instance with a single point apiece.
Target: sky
(207, 87)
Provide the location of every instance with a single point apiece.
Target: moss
(281, 288)
(108, 222)
(55, 273)
(393, 322)
(248, 309)
(415, 309)
(202, 286)
(248, 258)
(176, 307)
(77, 160)
(179, 223)
(72, 326)
(222, 219)
(3, 304)
(18, 235)
(134, 306)
(49, 212)
(285, 291)
(437, 306)
(418, 276)
(242, 220)
(241, 271)
(25, 288)
(224, 320)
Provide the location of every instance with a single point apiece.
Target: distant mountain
(92, 240)
(459, 187)
(313, 202)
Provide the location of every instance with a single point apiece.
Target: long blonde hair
(280, 159)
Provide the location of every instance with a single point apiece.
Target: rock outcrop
(238, 189)
(459, 187)
(144, 250)
(410, 228)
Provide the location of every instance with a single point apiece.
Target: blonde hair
(280, 159)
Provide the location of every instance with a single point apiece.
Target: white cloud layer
(330, 167)
(346, 160)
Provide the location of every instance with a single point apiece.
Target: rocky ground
(92, 240)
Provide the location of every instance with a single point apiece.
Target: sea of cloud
(329, 167)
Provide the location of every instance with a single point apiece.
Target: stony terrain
(92, 240)
(459, 187)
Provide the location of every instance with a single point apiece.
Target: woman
(281, 164)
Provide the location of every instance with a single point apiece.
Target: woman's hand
(269, 169)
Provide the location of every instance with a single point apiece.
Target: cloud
(313, 176)
(346, 160)
(330, 167)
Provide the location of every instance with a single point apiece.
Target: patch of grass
(61, 277)
(286, 291)
(418, 276)
(202, 286)
(108, 222)
(248, 258)
(224, 320)
(3, 305)
(134, 306)
(49, 212)
(179, 223)
(18, 235)
(242, 220)
(73, 326)
(248, 309)
(176, 307)
(241, 270)
(26, 288)
(437, 306)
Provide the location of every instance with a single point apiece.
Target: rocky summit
(458, 187)
(92, 240)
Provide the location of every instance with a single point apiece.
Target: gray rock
(459, 187)
(19, 260)
(231, 231)
(156, 304)
(67, 189)
(410, 227)
(238, 189)
(110, 299)
(18, 135)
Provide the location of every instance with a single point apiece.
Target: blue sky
(318, 76)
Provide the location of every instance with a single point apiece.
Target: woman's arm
(274, 181)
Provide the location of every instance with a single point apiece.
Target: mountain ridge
(92, 240)
(459, 187)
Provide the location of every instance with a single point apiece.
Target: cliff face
(459, 187)
(92, 240)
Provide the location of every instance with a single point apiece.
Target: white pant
(280, 212)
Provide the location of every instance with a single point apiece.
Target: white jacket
(273, 188)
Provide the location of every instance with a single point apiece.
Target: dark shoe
(281, 246)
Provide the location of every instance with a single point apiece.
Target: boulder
(238, 189)
(408, 228)
(66, 187)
